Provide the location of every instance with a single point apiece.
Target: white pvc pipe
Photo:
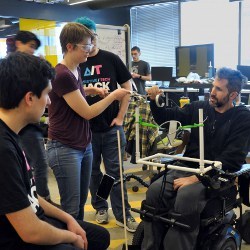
(137, 132)
(122, 190)
(201, 139)
(178, 157)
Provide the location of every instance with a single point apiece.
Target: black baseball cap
(27, 36)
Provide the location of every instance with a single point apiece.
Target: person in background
(27, 221)
(226, 139)
(140, 70)
(69, 136)
(106, 70)
(32, 136)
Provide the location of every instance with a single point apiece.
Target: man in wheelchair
(226, 139)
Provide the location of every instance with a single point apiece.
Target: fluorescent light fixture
(83, 1)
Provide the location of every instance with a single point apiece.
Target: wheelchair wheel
(227, 244)
(138, 235)
(245, 229)
(135, 189)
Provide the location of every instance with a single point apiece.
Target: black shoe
(53, 203)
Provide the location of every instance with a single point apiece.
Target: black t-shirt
(105, 70)
(18, 189)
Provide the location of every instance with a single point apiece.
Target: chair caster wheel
(135, 189)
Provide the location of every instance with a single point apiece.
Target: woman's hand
(120, 93)
(102, 92)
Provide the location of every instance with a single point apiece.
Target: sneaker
(53, 203)
(131, 224)
(102, 217)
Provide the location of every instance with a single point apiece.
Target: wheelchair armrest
(244, 180)
(245, 169)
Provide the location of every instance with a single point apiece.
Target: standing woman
(69, 148)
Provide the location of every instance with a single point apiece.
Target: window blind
(155, 30)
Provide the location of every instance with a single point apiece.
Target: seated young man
(227, 139)
(27, 221)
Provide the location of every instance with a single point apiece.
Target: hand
(184, 181)
(102, 92)
(41, 56)
(134, 75)
(120, 93)
(153, 92)
(74, 227)
(79, 243)
(117, 121)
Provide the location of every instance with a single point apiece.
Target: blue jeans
(33, 145)
(105, 145)
(72, 169)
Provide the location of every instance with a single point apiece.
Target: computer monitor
(245, 70)
(162, 74)
(194, 58)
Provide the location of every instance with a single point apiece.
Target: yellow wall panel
(52, 59)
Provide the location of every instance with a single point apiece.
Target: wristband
(140, 77)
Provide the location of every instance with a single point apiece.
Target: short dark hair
(27, 36)
(136, 48)
(236, 80)
(21, 73)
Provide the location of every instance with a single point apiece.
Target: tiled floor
(117, 233)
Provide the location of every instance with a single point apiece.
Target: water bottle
(210, 70)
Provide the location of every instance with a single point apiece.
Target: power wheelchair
(220, 228)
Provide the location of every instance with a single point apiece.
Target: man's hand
(184, 181)
(74, 227)
(134, 75)
(79, 243)
(153, 92)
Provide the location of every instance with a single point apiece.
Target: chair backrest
(173, 126)
(168, 139)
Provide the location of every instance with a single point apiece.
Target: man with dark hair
(227, 139)
(32, 136)
(27, 221)
(107, 71)
(26, 41)
(140, 70)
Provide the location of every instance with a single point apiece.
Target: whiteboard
(113, 39)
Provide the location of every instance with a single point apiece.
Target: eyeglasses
(86, 47)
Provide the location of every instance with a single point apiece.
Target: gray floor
(117, 233)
